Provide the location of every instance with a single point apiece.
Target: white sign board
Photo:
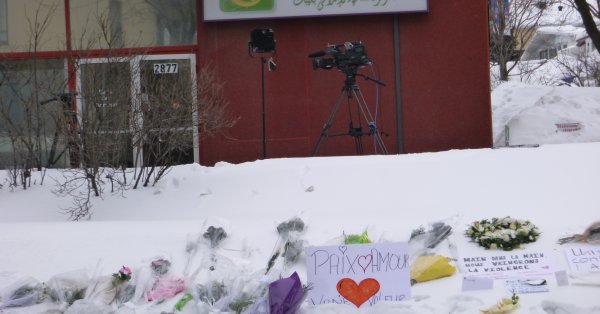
(358, 274)
(508, 264)
(583, 258)
(253, 9)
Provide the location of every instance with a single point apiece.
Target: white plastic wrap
(89, 306)
(246, 292)
(68, 287)
(102, 290)
(143, 282)
(23, 292)
(428, 241)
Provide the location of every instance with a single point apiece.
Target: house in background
(548, 41)
(585, 44)
(559, 29)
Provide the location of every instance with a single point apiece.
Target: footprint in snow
(205, 192)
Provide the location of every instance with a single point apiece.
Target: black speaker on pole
(262, 40)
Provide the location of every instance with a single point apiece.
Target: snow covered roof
(562, 13)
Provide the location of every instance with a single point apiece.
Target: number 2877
(164, 68)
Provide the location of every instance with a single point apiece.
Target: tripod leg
(325, 131)
(380, 142)
(359, 146)
(366, 113)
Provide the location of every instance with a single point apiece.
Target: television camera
(347, 57)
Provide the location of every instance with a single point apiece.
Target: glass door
(142, 110)
(104, 112)
(168, 110)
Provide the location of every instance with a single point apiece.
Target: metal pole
(399, 125)
(264, 125)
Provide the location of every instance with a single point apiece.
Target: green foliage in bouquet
(362, 238)
(212, 292)
(187, 297)
(502, 233)
(240, 304)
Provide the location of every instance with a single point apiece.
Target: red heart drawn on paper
(358, 294)
(364, 261)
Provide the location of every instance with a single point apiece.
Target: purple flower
(286, 295)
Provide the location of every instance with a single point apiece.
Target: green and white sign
(215, 10)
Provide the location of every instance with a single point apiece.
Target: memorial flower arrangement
(502, 233)
(123, 275)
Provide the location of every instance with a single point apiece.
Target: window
(548, 53)
(139, 113)
(30, 112)
(139, 23)
(175, 21)
(3, 23)
(105, 94)
(115, 13)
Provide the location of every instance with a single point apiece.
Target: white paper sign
(583, 258)
(358, 274)
(477, 283)
(253, 9)
(520, 286)
(504, 265)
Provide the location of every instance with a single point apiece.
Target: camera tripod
(352, 92)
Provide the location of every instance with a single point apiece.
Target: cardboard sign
(583, 258)
(504, 265)
(358, 274)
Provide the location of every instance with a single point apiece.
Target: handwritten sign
(358, 274)
(505, 265)
(583, 258)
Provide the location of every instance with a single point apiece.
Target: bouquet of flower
(289, 242)
(109, 289)
(123, 275)
(166, 287)
(24, 292)
(68, 287)
(502, 233)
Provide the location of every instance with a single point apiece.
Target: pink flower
(125, 271)
(124, 274)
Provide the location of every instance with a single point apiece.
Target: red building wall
(444, 83)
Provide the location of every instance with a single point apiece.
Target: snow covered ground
(554, 186)
(532, 113)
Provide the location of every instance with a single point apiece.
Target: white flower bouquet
(502, 233)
